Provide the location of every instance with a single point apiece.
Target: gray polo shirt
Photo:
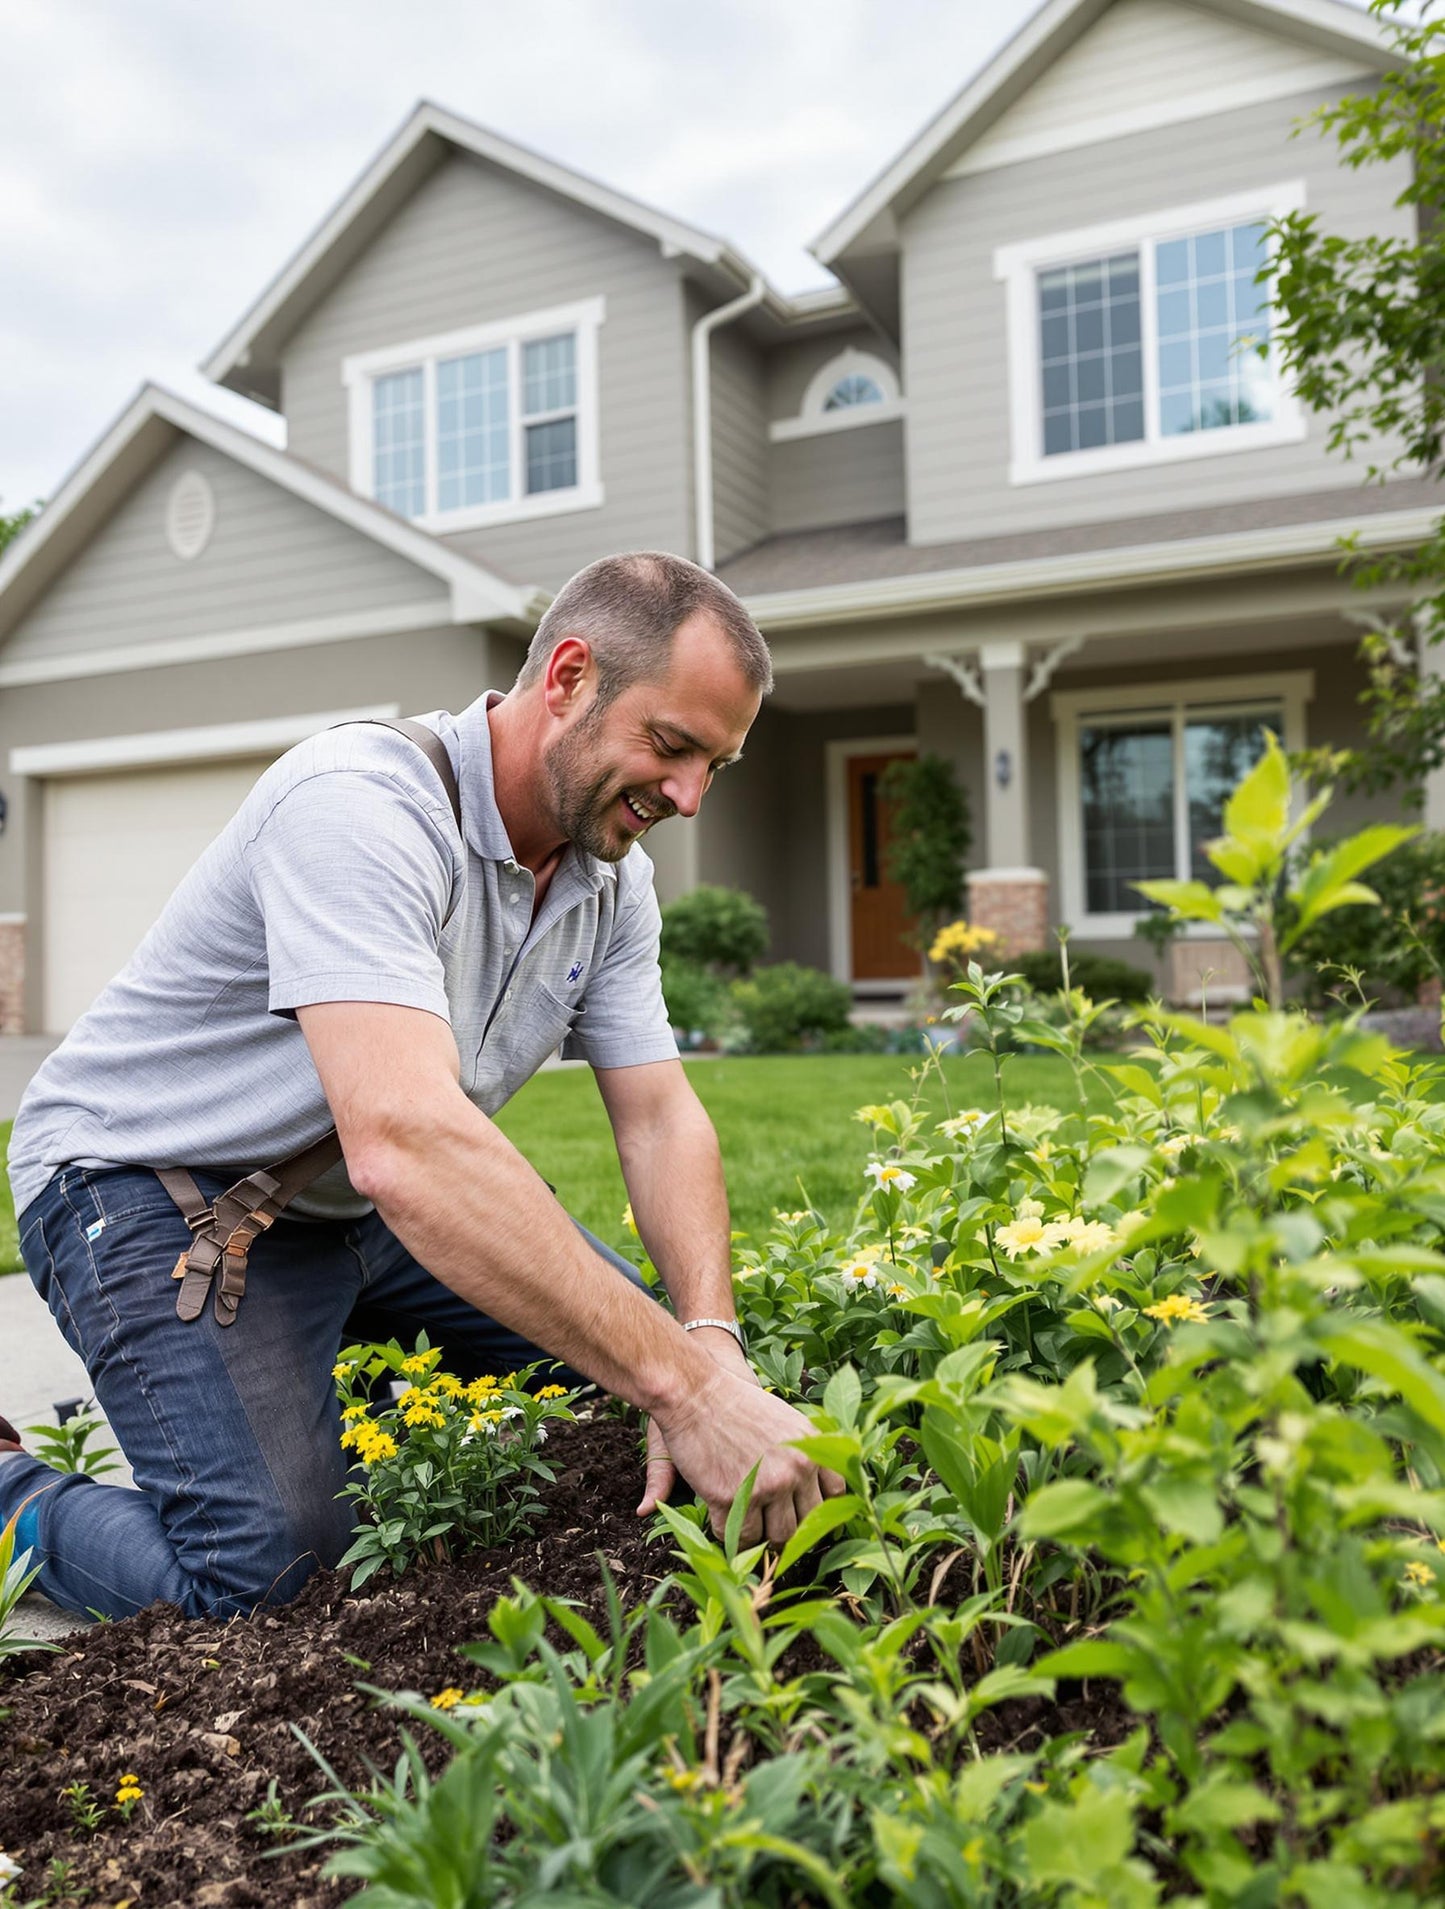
(342, 878)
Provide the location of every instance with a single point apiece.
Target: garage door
(115, 847)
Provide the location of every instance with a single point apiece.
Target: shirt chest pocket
(531, 1022)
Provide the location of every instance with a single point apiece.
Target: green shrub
(1100, 977)
(930, 837)
(1397, 943)
(696, 1000)
(719, 928)
(786, 1007)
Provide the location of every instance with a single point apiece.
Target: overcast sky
(160, 160)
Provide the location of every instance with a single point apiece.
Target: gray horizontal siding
(475, 245)
(955, 327)
(739, 443)
(838, 477)
(793, 366)
(271, 559)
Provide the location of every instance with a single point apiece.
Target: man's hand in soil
(661, 1474)
(716, 1438)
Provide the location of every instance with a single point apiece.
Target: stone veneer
(12, 976)
(1014, 903)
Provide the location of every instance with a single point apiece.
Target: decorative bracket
(1042, 672)
(965, 672)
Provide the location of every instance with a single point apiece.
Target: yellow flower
(480, 1389)
(552, 1392)
(421, 1361)
(885, 1175)
(380, 1445)
(353, 1412)
(447, 1699)
(1029, 1235)
(1175, 1145)
(792, 1219)
(628, 1221)
(895, 1289)
(683, 1780)
(958, 943)
(1176, 1310)
(1087, 1236)
(485, 1421)
(859, 1273)
(342, 1369)
(448, 1384)
(1042, 1153)
(425, 1415)
(1419, 1574)
(969, 1121)
(129, 1790)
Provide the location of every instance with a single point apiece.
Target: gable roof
(245, 360)
(866, 230)
(141, 435)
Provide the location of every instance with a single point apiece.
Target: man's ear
(570, 677)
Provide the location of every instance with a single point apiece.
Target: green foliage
(445, 1468)
(1267, 902)
(67, 1448)
(1148, 1399)
(1098, 975)
(1392, 947)
(786, 1007)
(13, 522)
(697, 1000)
(929, 837)
(16, 1577)
(721, 929)
(1360, 328)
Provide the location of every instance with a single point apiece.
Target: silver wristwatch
(724, 1325)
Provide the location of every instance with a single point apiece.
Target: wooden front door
(878, 913)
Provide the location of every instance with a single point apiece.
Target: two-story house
(1017, 489)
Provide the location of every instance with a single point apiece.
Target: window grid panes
(1212, 317)
(473, 430)
(399, 442)
(853, 389)
(1134, 811)
(502, 424)
(549, 385)
(1092, 359)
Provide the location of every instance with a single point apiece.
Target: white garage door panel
(115, 847)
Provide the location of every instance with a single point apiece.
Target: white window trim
(1018, 267)
(161, 748)
(1290, 690)
(359, 372)
(813, 421)
(840, 892)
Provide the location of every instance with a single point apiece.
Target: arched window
(852, 387)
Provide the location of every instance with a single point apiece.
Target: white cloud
(160, 162)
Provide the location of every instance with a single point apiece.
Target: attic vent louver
(190, 515)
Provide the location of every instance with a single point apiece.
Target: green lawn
(785, 1124)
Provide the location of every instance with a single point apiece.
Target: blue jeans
(233, 1434)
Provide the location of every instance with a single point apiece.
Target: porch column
(1008, 894)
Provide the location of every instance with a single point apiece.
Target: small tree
(929, 838)
(12, 523)
(1360, 329)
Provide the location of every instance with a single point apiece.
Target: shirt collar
(482, 825)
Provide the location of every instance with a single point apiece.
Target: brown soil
(202, 1712)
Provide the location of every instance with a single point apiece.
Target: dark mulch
(202, 1712)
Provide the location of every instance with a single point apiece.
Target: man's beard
(585, 803)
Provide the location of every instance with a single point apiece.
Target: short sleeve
(353, 877)
(624, 1020)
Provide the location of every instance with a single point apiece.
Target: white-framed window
(1139, 341)
(853, 388)
(1144, 771)
(483, 426)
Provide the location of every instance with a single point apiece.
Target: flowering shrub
(446, 1466)
(1145, 1408)
(959, 942)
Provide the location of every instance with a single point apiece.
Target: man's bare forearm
(673, 1169)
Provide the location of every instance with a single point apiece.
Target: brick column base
(12, 977)
(1014, 903)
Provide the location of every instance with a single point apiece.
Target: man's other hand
(729, 1426)
(661, 1473)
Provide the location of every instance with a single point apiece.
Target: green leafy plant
(1098, 975)
(724, 930)
(447, 1466)
(784, 1008)
(16, 1577)
(1265, 902)
(929, 837)
(67, 1447)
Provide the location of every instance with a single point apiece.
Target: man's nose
(685, 788)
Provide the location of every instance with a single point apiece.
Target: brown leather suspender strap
(223, 1230)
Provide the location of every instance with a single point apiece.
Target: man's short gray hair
(629, 608)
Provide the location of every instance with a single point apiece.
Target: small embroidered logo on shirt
(576, 971)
